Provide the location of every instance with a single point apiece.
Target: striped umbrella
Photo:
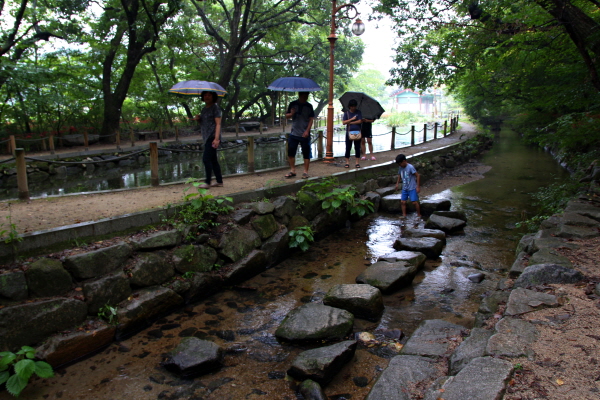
(195, 88)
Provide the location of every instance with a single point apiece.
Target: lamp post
(358, 28)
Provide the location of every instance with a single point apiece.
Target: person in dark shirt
(210, 127)
(353, 121)
(302, 114)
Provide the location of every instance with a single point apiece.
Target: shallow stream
(243, 321)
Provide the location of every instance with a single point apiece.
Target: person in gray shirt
(302, 114)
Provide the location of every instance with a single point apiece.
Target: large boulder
(431, 247)
(46, 277)
(323, 363)
(98, 262)
(157, 240)
(540, 274)
(193, 357)
(388, 276)
(108, 290)
(201, 286)
(364, 301)
(238, 242)
(150, 269)
(29, 323)
(285, 209)
(276, 248)
(193, 258)
(310, 204)
(315, 323)
(265, 225)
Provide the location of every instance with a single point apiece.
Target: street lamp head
(358, 28)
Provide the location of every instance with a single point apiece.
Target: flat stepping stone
(513, 338)
(472, 347)
(428, 207)
(547, 273)
(364, 301)
(431, 247)
(315, 322)
(452, 214)
(431, 339)
(421, 233)
(193, 357)
(322, 364)
(402, 373)
(484, 378)
(445, 224)
(388, 276)
(412, 257)
(522, 301)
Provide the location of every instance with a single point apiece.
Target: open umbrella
(368, 106)
(195, 88)
(294, 84)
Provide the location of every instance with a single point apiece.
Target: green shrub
(301, 237)
(202, 207)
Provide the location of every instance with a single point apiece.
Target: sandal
(357, 165)
(373, 158)
(290, 175)
(305, 176)
(217, 184)
(347, 166)
(204, 186)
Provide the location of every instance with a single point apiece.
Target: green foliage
(202, 207)
(403, 118)
(333, 197)
(188, 275)
(109, 314)
(301, 237)
(9, 234)
(16, 369)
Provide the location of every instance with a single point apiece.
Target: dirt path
(52, 212)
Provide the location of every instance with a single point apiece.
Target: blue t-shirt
(409, 179)
(304, 112)
(353, 127)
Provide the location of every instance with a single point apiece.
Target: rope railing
(135, 153)
(7, 160)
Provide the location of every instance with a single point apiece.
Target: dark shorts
(366, 131)
(294, 141)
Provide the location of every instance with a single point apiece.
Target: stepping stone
(403, 372)
(364, 301)
(412, 257)
(193, 357)
(522, 301)
(431, 338)
(513, 338)
(547, 273)
(484, 378)
(445, 224)
(428, 207)
(431, 247)
(452, 214)
(421, 233)
(322, 364)
(388, 276)
(472, 347)
(311, 390)
(315, 323)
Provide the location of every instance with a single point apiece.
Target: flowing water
(244, 321)
(178, 167)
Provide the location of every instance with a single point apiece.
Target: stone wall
(54, 303)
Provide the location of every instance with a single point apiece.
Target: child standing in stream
(411, 184)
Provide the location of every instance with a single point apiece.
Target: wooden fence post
(22, 174)
(435, 130)
(237, 129)
(160, 133)
(176, 133)
(260, 127)
(424, 133)
(393, 146)
(132, 137)
(154, 164)
(412, 135)
(445, 127)
(51, 143)
(86, 142)
(13, 144)
(320, 144)
(250, 153)
(118, 138)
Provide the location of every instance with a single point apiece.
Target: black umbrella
(368, 106)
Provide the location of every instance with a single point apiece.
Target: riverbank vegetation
(531, 63)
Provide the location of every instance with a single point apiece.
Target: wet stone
(472, 347)
(193, 357)
(364, 301)
(188, 332)
(315, 322)
(323, 363)
(547, 273)
(476, 278)
(421, 233)
(360, 381)
(431, 247)
(156, 333)
(227, 335)
(401, 373)
(231, 304)
(13, 285)
(213, 310)
(276, 375)
(168, 327)
(412, 257)
(431, 338)
(448, 225)
(311, 390)
(388, 276)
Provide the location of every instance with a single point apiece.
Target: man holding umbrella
(302, 114)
